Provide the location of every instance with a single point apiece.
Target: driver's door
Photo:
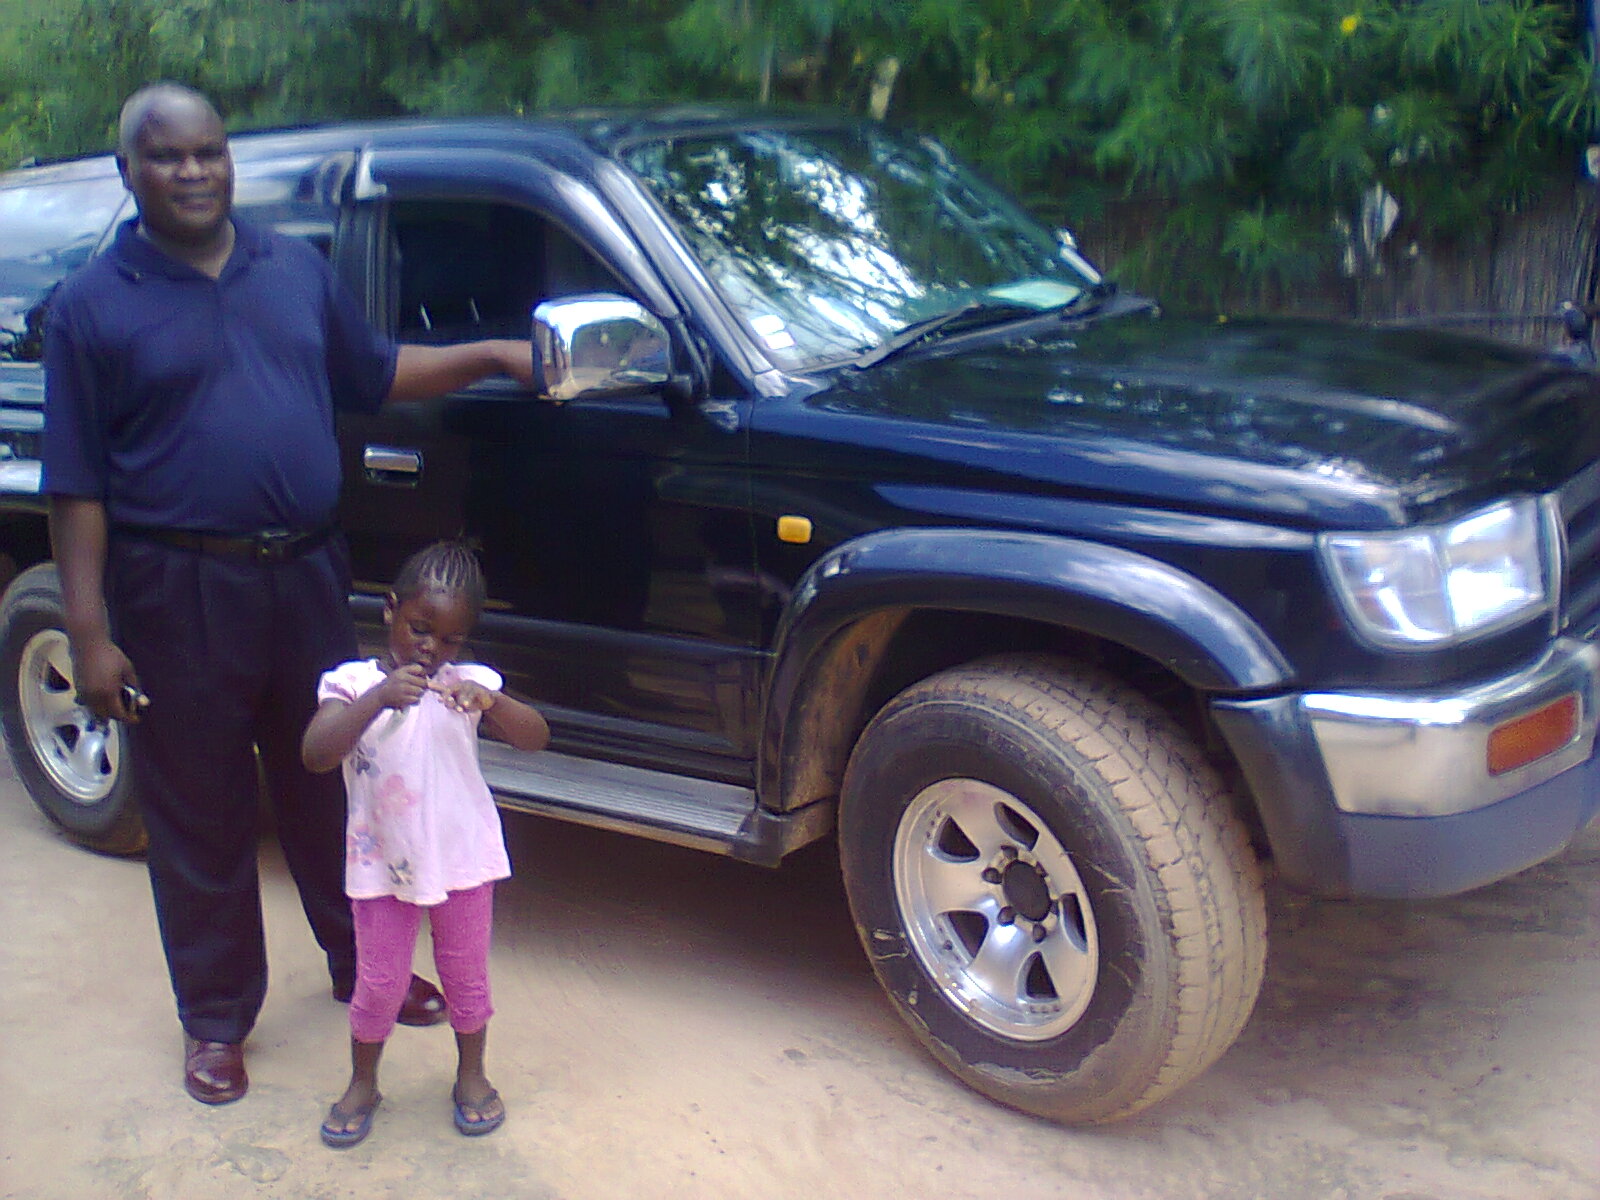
(614, 533)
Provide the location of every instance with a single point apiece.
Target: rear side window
(46, 232)
(290, 197)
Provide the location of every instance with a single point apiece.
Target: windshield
(828, 242)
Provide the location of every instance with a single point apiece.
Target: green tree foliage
(1258, 132)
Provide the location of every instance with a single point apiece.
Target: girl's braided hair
(448, 566)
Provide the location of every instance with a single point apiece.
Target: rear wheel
(73, 766)
(1052, 887)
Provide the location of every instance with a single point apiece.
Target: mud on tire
(1052, 886)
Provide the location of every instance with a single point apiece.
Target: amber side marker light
(1527, 739)
(795, 530)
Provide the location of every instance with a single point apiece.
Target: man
(192, 468)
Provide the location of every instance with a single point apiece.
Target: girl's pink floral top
(421, 820)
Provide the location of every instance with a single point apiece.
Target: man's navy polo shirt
(191, 403)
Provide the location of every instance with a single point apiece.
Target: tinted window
(46, 232)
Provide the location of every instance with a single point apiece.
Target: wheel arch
(24, 541)
(880, 612)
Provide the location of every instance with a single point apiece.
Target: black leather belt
(268, 546)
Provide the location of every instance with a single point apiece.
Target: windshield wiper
(928, 327)
(1086, 303)
(1089, 302)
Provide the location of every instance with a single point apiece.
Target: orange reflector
(794, 529)
(1543, 731)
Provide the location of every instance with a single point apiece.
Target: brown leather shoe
(424, 1004)
(213, 1072)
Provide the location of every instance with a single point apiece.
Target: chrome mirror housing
(597, 345)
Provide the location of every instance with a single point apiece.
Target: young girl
(423, 832)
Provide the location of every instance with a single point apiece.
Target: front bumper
(1426, 756)
(1391, 795)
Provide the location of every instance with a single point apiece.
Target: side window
(286, 200)
(50, 231)
(471, 270)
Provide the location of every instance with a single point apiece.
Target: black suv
(852, 499)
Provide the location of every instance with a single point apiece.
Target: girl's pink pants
(386, 936)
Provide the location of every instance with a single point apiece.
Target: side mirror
(597, 345)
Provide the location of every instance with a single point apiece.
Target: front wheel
(1052, 887)
(73, 766)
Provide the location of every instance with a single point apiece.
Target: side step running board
(703, 814)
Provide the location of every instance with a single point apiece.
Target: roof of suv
(602, 131)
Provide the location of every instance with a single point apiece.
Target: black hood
(1320, 420)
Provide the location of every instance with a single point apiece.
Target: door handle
(392, 464)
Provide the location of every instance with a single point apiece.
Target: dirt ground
(675, 1025)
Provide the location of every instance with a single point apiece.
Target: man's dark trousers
(229, 652)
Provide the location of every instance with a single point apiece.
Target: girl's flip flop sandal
(342, 1139)
(472, 1128)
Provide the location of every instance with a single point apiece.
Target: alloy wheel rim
(80, 755)
(995, 910)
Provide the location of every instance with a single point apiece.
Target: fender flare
(1109, 592)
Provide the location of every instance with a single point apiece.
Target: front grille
(1580, 513)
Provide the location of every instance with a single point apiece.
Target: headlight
(1423, 587)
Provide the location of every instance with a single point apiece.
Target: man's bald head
(173, 155)
(156, 102)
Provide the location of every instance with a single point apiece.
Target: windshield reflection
(830, 241)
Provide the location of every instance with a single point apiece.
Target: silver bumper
(1410, 755)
